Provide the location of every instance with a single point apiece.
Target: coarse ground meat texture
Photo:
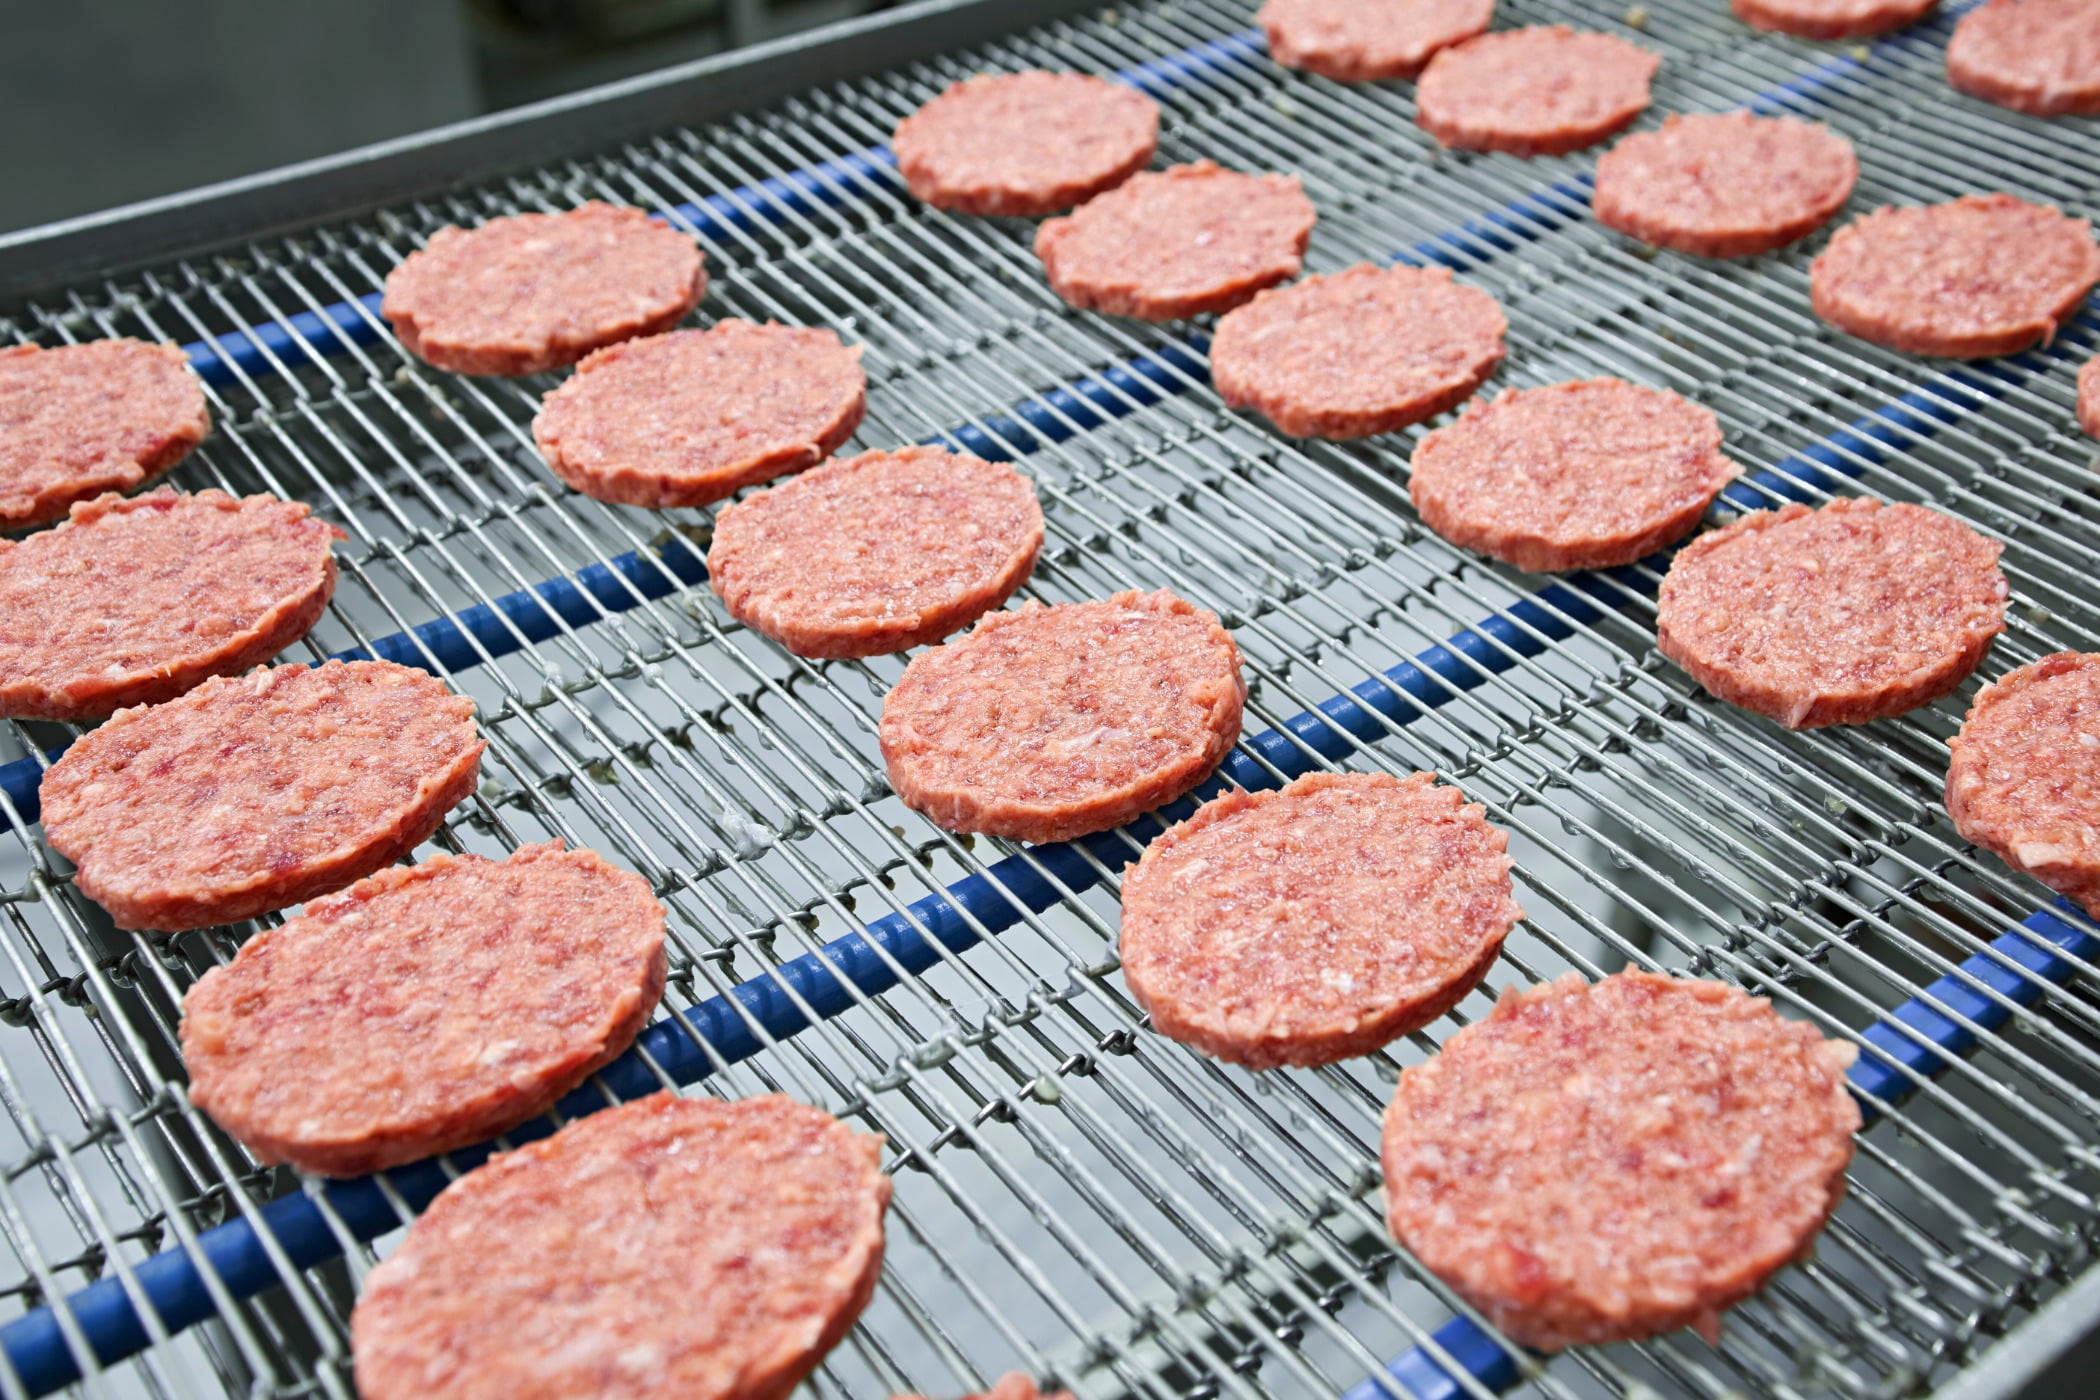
(1046, 723)
(2089, 397)
(104, 415)
(134, 601)
(1588, 475)
(1724, 186)
(878, 553)
(1318, 923)
(668, 1249)
(251, 793)
(425, 1008)
(2041, 57)
(1831, 19)
(1360, 41)
(1178, 242)
(693, 417)
(533, 292)
(1854, 612)
(1365, 351)
(1012, 1386)
(1025, 143)
(1540, 91)
(1984, 275)
(1604, 1163)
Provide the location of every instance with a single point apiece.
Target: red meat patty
(1012, 1386)
(1318, 923)
(1854, 612)
(1361, 41)
(251, 793)
(1365, 351)
(1832, 19)
(2089, 397)
(1724, 186)
(1985, 275)
(878, 553)
(668, 1249)
(1178, 242)
(1025, 143)
(533, 292)
(83, 419)
(1540, 91)
(1575, 476)
(1047, 723)
(2041, 57)
(692, 417)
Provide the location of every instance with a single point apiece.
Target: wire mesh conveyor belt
(1075, 1196)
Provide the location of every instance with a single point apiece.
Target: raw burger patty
(2024, 779)
(668, 1249)
(2089, 397)
(1012, 1386)
(1575, 476)
(425, 1008)
(134, 601)
(1360, 41)
(1178, 242)
(1048, 723)
(1534, 92)
(533, 292)
(1364, 351)
(1724, 186)
(876, 554)
(693, 417)
(2041, 57)
(1985, 275)
(251, 793)
(1603, 1163)
(1831, 19)
(1318, 923)
(1854, 612)
(83, 419)
(1025, 143)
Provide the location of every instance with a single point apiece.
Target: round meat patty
(878, 553)
(533, 292)
(1604, 1163)
(1318, 923)
(1011, 1386)
(1854, 612)
(1365, 351)
(668, 1249)
(1588, 475)
(1985, 275)
(425, 1008)
(1025, 143)
(2041, 57)
(251, 793)
(1724, 186)
(134, 601)
(1178, 242)
(1047, 723)
(2089, 397)
(104, 415)
(1361, 41)
(1831, 19)
(1540, 91)
(693, 417)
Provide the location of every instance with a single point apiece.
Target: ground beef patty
(1854, 612)
(1318, 923)
(1025, 143)
(667, 1248)
(1365, 351)
(83, 419)
(1178, 242)
(1724, 186)
(1047, 723)
(251, 793)
(534, 292)
(2041, 57)
(2089, 397)
(1604, 1163)
(1360, 41)
(134, 601)
(1575, 476)
(692, 417)
(878, 553)
(1012, 1386)
(1534, 92)
(425, 1008)
(1831, 19)
(1985, 275)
